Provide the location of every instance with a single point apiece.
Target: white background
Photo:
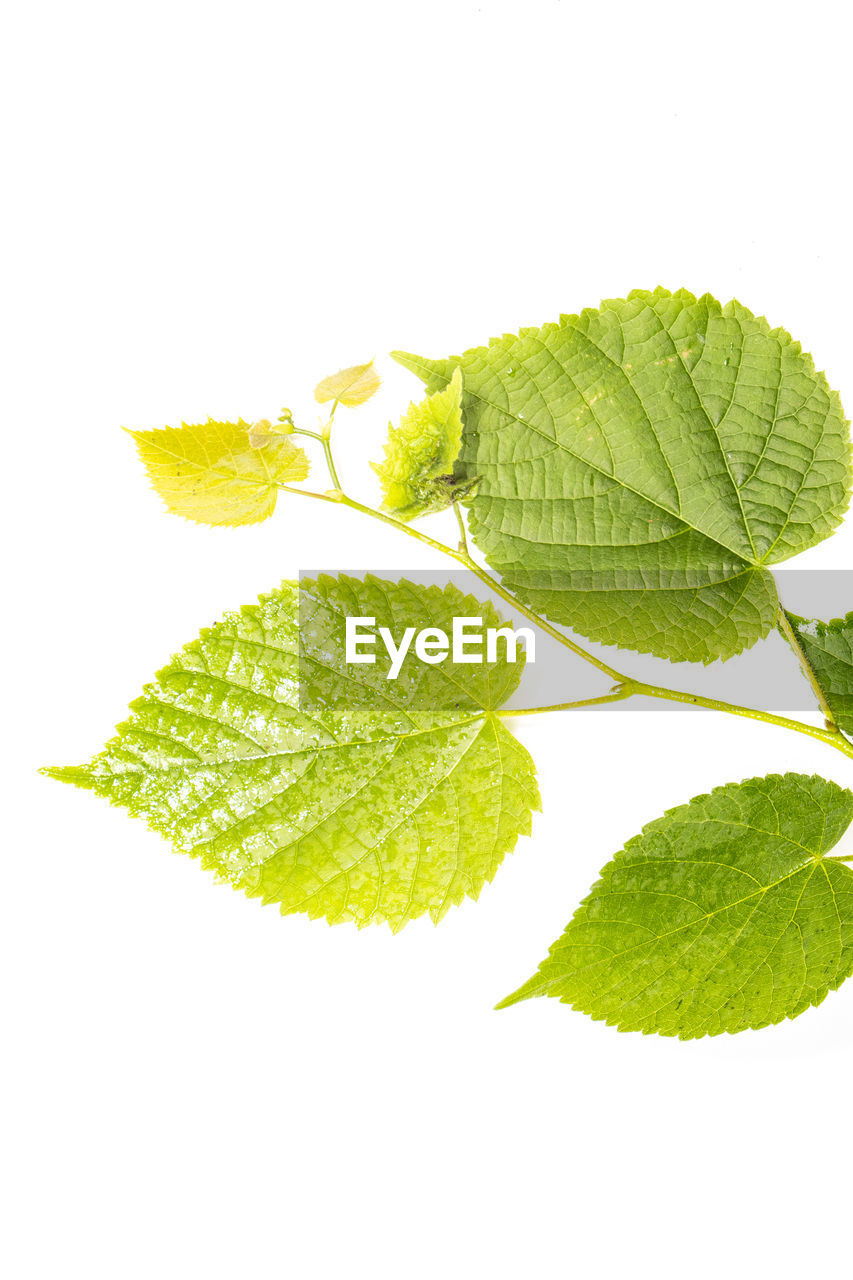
(208, 207)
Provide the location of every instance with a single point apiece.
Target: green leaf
(350, 386)
(220, 472)
(721, 915)
(343, 794)
(828, 646)
(417, 471)
(642, 464)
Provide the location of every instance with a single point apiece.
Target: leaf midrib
(186, 767)
(522, 422)
(198, 850)
(755, 561)
(712, 426)
(699, 920)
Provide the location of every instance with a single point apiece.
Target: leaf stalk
(832, 737)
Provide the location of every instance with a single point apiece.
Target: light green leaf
(220, 472)
(343, 794)
(417, 471)
(721, 915)
(642, 464)
(828, 646)
(350, 386)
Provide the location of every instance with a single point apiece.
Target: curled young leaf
(216, 473)
(417, 472)
(721, 915)
(828, 647)
(320, 784)
(642, 464)
(349, 386)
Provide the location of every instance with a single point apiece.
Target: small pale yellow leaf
(213, 474)
(349, 386)
(263, 431)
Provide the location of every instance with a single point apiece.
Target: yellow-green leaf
(350, 386)
(417, 470)
(212, 473)
(317, 784)
(725, 913)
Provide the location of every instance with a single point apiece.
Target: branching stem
(464, 557)
(325, 438)
(626, 687)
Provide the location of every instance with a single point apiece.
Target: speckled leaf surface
(828, 646)
(721, 915)
(642, 464)
(322, 786)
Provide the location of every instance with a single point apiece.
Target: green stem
(303, 431)
(831, 736)
(326, 437)
(627, 687)
(463, 557)
(310, 493)
(330, 463)
(805, 666)
(463, 532)
(618, 695)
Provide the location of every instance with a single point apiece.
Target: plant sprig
(633, 473)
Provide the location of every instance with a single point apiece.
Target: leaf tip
(524, 992)
(77, 774)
